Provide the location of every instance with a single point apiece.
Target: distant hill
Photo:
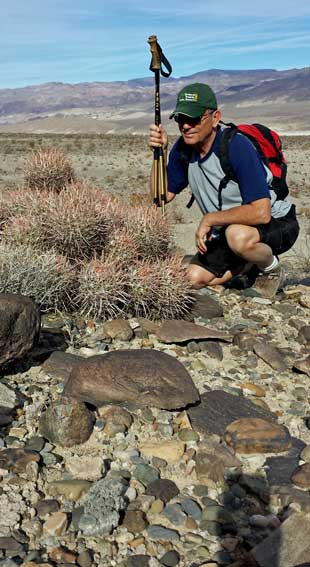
(128, 105)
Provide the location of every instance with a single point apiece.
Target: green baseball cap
(194, 99)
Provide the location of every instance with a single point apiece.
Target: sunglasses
(193, 121)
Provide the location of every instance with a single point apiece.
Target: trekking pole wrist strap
(158, 58)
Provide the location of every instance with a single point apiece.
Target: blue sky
(99, 40)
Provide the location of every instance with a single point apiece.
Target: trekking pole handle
(154, 47)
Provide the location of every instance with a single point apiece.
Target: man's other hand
(203, 233)
(158, 137)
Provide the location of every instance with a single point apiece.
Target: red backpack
(269, 146)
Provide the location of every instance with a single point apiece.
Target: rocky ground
(180, 444)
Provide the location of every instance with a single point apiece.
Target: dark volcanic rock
(244, 340)
(301, 476)
(20, 326)
(249, 435)
(15, 460)
(288, 493)
(270, 355)
(212, 461)
(280, 469)
(218, 409)
(206, 307)
(10, 546)
(145, 377)
(304, 334)
(179, 331)
(66, 422)
(138, 561)
(212, 349)
(288, 546)
(163, 489)
(60, 364)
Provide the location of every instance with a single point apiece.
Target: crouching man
(249, 225)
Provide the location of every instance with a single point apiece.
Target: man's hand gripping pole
(159, 173)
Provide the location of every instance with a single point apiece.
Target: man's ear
(216, 117)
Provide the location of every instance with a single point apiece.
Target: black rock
(206, 307)
(138, 561)
(162, 489)
(280, 469)
(35, 443)
(45, 507)
(170, 559)
(218, 409)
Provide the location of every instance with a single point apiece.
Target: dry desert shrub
(46, 277)
(48, 169)
(75, 222)
(102, 289)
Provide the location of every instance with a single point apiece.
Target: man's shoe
(267, 285)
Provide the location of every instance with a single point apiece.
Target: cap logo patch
(189, 97)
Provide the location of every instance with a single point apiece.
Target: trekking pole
(159, 173)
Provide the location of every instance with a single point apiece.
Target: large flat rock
(288, 546)
(145, 377)
(60, 364)
(218, 409)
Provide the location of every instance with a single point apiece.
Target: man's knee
(199, 277)
(241, 238)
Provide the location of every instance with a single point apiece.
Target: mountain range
(281, 98)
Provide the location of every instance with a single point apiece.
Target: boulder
(60, 364)
(206, 307)
(66, 422)
(145, 377)
(288, 546)
(257, 436)
(218, 409)
(20, 326)
(271, 355)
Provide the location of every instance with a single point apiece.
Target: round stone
(163, 489)
(170, 559)
(255, 435)
(67, 422)
(301, 476)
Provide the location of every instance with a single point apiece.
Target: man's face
(197, 130)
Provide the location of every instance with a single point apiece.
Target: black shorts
(280, 234)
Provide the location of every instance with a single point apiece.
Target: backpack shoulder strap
(185, 154)
(227, 135)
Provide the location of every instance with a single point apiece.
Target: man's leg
(245, 241)
(201, 277)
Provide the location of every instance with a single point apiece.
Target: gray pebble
(174, 514)
(191, 508)
(157, 533)
(145, 474)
